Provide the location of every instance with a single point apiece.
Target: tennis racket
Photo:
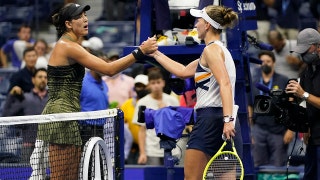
(224, 165)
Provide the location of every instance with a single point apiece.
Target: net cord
(58, 117)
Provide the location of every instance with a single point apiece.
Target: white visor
(203, 14)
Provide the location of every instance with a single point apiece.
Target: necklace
(67, 36)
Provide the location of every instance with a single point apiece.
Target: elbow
(225, 85)
(110, 72)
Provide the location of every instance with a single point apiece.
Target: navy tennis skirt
(206, 134)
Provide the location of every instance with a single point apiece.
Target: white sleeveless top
(207, 88)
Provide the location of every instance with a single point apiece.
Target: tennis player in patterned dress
(65, 74)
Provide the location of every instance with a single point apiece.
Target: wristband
(138, 54)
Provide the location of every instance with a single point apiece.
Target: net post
(119, 145)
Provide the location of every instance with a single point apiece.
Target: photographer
(269, 138)
(308, 48)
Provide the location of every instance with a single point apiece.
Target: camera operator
(308, 46)
(269, 138)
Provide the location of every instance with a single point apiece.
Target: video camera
(284, 107)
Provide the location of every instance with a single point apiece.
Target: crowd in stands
(279, 22)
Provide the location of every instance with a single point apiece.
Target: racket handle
(224, 137)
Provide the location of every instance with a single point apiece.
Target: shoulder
(8, 45)
(128, 78)
(173, 100)
(212, 47)
(144, 100)
(280, 77)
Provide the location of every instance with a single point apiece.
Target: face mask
(310, 58)
(266, 69)
(142, 93)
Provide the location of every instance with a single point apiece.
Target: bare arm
(142, 141)
(174, 67)
(4, 60)
(65, 51)
(219, 71)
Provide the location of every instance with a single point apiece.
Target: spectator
(149, 143)
(128, 108)
(269, 138)
(93, 97)
(42, 49)
(21, 81)
(13, 49)
(263, 19)
(121, 86)
(287, 18)
(93, 43)
(308, 90)
(315, 10)
(32, 103)
(287, 64)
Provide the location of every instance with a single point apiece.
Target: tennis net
(87, 145)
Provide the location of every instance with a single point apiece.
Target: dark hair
(226, 17)
(28, 49)
(67, 13)
(24, 26)
(274, 34)
(38, 70)
(155, 75)
(268, 53)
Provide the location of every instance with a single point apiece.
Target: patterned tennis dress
(64, 83)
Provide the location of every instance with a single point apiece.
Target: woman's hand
(149, 46)
(229, 130)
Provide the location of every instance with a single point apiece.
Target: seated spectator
(13, 49)
(287, 17)
(21, 81)
(42, 49)
(28, 103)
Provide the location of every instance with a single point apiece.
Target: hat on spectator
(113, 53)
(93, 43)
(305, 39)
(141, 78)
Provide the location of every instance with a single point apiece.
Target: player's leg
(194, 164)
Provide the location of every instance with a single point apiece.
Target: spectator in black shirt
(21, 81)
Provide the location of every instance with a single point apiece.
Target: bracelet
(228, 119)
(138, 54)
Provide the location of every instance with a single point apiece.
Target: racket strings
(224, 167)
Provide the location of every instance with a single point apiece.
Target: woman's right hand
(149, 46)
